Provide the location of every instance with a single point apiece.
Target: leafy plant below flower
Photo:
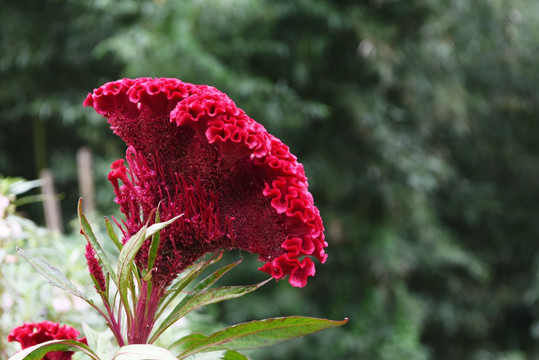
(183, 296)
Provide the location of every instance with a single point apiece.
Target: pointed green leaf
(185, 306)
(194, 272)
(125, 266)
(28, 199)
(154, 246)
(185, 279)
(160, 226)
(127, 255)
(212, 278)
(205, 283)
(133, 245)
(55, 276)
(187, 341)
(143, 352)
(260, 333)
(21, 186)
(101, 342)
(218, 294)
(112, 235)
(210, 296)
(89, 235)
(37, 352)
(177, 287)
(130, 250)
(91, 335)
(234, 355)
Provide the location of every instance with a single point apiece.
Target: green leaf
(154, 246)
(212, 278)
(125, 266)
(160, 226)
(204, 284)
(127, 255)
(55, 276)
(218, 294)
(234, 355)
(187, 341)
(91, 335)
(210, 296)
(21, 186)
(187, 304)
(101, 342)
(112, 234)
(194, 272)
(143, 352)
(177, 287)
(89, 235)
(37, 352)
(260, 333)
(133, 245)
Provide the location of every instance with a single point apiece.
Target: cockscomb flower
(31, 334)
(192, 151)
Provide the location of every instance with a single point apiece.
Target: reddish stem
(114, 326)
(144, 319)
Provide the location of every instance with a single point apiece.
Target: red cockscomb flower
(31, 334)
(193, 152)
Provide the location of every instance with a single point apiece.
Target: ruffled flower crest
(191, 151)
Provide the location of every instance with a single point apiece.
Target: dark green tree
(47, 67)
(415, 121)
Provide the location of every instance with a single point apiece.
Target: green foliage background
(416, 121)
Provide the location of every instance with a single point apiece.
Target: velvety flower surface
(31, 334)
(192, 151)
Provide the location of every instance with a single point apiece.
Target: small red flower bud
(94, 268)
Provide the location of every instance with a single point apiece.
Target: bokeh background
(416, 120)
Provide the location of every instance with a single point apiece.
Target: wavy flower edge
(143, 103)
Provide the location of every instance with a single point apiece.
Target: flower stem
(114, 325)
(145, 313)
